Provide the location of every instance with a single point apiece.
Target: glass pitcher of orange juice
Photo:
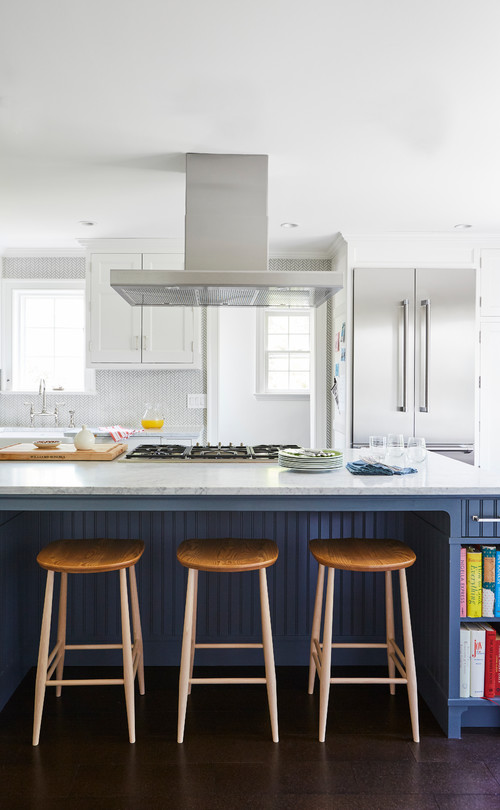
(152, 416)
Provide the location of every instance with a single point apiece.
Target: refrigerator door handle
(404, 356)
(425, 353)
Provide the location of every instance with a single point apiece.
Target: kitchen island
(434, 511)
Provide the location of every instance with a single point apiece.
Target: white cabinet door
(115, 326)
(170, 335)
(490, 283)
(489, 397)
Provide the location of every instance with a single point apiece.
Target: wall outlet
(197, 400)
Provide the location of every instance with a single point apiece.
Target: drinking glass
(378, 447)
(395, 445)
(417, 450)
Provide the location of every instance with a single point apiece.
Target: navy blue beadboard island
(164, 504)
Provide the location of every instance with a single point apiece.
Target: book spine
(464, 661)
(474, 583)
(496, 609)
(477, 635)
(463, 582)
(497, 665)
(489, 661)
(489, 565)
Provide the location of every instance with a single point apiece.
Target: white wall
(243, 418)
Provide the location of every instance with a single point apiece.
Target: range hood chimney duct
(226, 246)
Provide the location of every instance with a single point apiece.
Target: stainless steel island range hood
(226, 246)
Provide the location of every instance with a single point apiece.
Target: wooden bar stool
(353, 554)
(89, 557)
(232, 556)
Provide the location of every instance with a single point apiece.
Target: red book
(490, 675)
(497, 665)
(463, 582)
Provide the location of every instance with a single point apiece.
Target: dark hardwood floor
(228, 760)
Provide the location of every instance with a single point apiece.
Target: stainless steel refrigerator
(413, 356)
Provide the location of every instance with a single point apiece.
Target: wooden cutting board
(66, 452)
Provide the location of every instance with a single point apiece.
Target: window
(45, 336)
(284, 352)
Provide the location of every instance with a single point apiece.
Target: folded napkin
(363, 468)
(118, 432)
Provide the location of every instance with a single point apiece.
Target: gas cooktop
(215, 452)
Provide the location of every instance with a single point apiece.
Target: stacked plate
(309, 460)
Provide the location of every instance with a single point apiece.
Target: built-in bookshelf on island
(479, 639)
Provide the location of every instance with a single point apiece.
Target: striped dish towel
(118, 432)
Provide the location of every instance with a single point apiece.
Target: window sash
(17, 296)
(289, 353)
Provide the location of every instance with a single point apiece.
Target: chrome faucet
(41, 390)
(44, 411)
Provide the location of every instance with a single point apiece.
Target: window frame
(9, 289)
(262, 392)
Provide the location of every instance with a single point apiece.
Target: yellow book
(474, 583)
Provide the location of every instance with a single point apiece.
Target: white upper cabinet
(138, 337)
(115, 327)
(490, 283)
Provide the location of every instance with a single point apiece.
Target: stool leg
(316, 625)
(61, 629)
(411, 673)
(128, 669)
(43, 657)
(389, 627)
(186, 654)
(267, 640)
(193, 634)
(136, 625)
(326, 658)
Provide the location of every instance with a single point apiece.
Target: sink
(33, 431)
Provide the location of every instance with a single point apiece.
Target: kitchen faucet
(44, 411)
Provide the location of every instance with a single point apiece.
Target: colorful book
(488, 595)
(497, 584)
(497, 664)
(474, 582)
(464, 660)
(489, 660)
(463, 582)
(477, 640)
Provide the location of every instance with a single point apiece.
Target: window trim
(9, 286)
(261, 392)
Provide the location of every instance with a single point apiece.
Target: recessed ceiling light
(86, 222)
(462, 226)
(289, 225)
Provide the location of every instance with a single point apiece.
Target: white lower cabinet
(121, 336)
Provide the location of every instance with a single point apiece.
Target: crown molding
(45, 252)
(299, 255)
(133, 244)
(476, 239)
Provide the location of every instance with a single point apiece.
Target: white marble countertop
(437, 476)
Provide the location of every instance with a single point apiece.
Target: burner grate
(165, 451)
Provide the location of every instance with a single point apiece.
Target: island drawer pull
(485, 520)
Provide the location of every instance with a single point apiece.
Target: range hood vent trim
(181, 288)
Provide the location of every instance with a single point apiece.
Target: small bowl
(47, 444)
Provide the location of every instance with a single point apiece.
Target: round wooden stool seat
(90, 556)
(227, 554)
(357, 554)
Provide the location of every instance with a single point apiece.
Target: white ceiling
(376, 116)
